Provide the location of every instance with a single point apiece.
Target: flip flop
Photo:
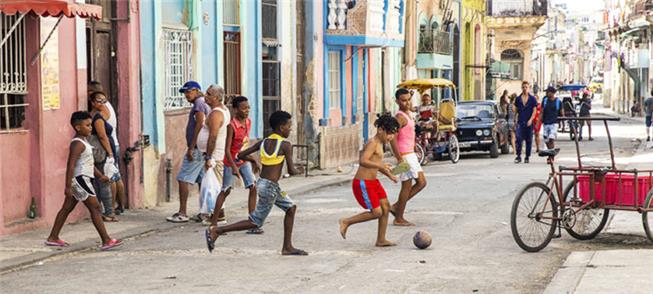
(255, 231)
(109, 219)
(111, 244)
(210, 243)
(58, 243)
(296, 252)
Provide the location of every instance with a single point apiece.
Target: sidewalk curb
(30, 260)
(570, 273)
(622, 117)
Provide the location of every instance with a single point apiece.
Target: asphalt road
(465, 207)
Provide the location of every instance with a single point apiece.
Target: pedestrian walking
(117, 187)
(585, 107)
(80, 171)
(525, 107)
(103, 130)
(551, 110)
(237, 140)
(192, 168)
(211, 142)
(273, 150)
(403, 146)
(648, 110)
(367, 188)
(509, 114)
(537, 124)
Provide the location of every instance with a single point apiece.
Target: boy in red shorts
(367, 189)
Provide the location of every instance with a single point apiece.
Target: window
(178, 50)
(515, 61)
(334, 79)
(13, 74)
(271, 91)
(230, 12)
(232, 64)
(269, 11)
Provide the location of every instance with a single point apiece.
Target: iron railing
(438, 42)
(13, 72)
(178, 70)
(516, 8)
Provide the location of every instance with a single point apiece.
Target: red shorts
(368, 193)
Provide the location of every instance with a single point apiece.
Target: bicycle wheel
(588, 222)
(454, 149)
(532, 218)
(421, 155)
(648, 222)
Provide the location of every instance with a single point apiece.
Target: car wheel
(494, 149)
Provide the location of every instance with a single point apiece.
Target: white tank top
(220, 141)
(84, 166)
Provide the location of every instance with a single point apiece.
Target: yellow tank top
(272, 159)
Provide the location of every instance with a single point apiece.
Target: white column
(342, 14)
(375, 15)
(331, 18)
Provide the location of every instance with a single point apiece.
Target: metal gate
(231, 64)
(13, 72)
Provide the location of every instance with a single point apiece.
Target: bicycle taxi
(444, 140)
(583, 206)
(570, 97)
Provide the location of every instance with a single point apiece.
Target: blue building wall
(252, 77)
(152, 109)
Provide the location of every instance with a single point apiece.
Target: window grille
(178, 56)
(271, 90)
(230, 12)
(13, 73)
(232, 64)
(269, 11)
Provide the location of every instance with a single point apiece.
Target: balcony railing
(517, 8)
(363, 17)
(435, 42)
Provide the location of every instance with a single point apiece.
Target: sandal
(177, 218)
(295, 252)
(255, 231)
(109, 218)
(58, 243)
(111, 244)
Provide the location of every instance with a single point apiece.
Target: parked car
(481, 129)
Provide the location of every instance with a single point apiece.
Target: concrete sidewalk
(26, 249)
(600, 110)
(608, 271)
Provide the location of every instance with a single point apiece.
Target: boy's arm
(251, 149)
(393, 144)
(287, 152)
(76, 149)
(227, 147)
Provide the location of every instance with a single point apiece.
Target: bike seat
(549, 152)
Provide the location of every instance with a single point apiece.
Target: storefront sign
(50, 65)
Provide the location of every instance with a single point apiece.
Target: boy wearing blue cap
(551, 110)
(192, 168)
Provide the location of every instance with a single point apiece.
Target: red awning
(50, 8)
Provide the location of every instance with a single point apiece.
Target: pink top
(406, 135)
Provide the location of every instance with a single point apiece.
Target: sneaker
(111, 244)
(177, 218)
(526, 160)
(518, 160)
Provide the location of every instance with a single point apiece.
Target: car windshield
(474, 111)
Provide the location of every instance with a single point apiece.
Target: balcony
(371, 23)
(437, 42)
(517, 8)
(435, 50)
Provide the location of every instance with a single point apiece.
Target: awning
(50, 8)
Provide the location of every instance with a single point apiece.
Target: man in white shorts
(551, 110)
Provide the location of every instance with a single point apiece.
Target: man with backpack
(551, 110)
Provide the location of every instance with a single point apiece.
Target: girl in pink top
(403, 146)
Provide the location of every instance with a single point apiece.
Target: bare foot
(294, 251)
(402, 223)
(343, 228)
(385, 243)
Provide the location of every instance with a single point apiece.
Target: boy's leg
(589, 129)
(399, 208)
(94, 208)
(218, 205)
(69, 204)
(288, 223)
(359, 218)
(381, 241)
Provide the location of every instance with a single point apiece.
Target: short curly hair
(387, 123)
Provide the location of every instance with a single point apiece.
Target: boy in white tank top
(79, 172)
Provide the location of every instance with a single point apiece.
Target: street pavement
(465, 207)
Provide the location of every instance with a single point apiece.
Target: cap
(189, 86)
(551, 89)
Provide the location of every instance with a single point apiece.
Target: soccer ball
(422, 239)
